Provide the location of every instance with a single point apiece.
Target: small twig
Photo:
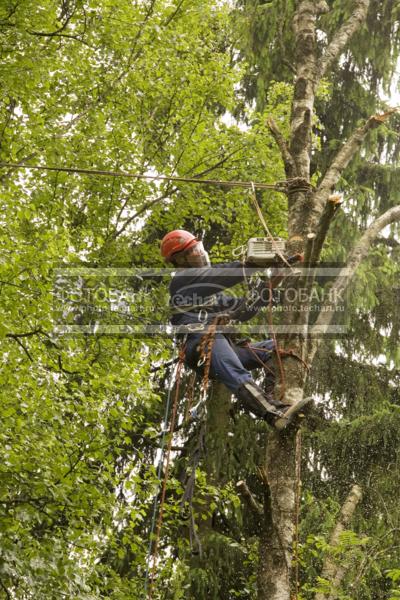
(24, 348)
(262, 472)
(248, 496)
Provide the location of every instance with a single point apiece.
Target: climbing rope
(187, 497)
(159, 470)
(189, 393)
(164, 459)
(206, 346)
(205, 356)
(263, 364)
(259, 212)
(264, 224)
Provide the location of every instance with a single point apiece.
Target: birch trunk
(276, 537)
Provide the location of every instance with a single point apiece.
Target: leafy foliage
(151, 88)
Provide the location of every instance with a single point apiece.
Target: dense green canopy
(179, 88)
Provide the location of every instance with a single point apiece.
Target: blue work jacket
(196, 294)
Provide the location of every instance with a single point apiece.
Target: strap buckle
(193, 327)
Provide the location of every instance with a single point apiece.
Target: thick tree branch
(343, 35)
(346, 274)
(340, 162)
(331, 208)
(348, 150)
(290, 167)
(331, 571)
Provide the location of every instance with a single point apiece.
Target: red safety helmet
(176, 241)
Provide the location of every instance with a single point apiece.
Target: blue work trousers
(230, 363)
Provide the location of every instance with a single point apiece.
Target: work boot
(258, 402)
(269, 390)
(290, 413)
(265, 406)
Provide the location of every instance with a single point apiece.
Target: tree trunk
(275, 550)
(277, 538)
(305, 209)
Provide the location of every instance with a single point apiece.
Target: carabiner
(203, 315)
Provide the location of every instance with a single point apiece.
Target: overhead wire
(278, 186)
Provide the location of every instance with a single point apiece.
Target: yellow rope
(264, 224)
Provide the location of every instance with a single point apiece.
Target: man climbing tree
(198, 303)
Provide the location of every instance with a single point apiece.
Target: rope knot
(295, 185)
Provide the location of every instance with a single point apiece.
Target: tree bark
(275, 550)
(305, 208)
